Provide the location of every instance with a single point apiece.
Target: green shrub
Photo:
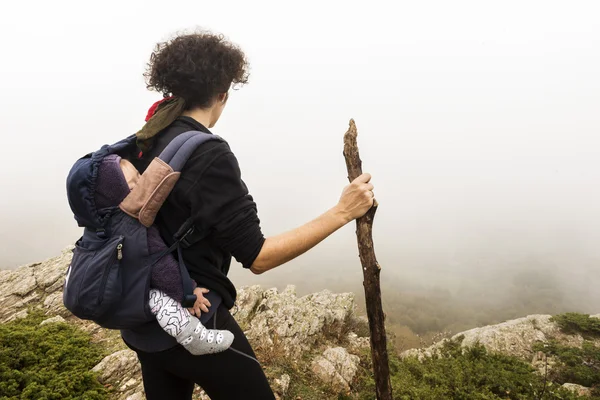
(50, 362)
(470, 374)
(578, 323)
(574, 365)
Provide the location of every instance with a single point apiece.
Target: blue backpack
(108, 279)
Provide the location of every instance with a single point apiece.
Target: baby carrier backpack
(108, 279)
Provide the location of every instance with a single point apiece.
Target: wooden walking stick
(371, 270)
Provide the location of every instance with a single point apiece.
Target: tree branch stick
(371, 270)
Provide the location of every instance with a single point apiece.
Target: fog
(479, 122)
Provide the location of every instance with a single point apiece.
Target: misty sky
(479, 121)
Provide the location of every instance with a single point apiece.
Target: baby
(116, 178)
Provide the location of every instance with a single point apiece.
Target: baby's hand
(201, 302)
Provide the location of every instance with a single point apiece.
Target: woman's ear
(223, 97)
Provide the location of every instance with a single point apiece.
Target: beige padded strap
(150, 192)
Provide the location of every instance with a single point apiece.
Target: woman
(196, 71)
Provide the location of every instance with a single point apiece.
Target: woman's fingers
(358, 197)
(368, 190)
(363, 178)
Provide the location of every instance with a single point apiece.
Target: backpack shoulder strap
(181, 148)
(176, 154)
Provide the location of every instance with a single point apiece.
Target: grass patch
(50, 362)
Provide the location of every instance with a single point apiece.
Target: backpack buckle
(185, 243)
(101, 233)
(189, 300)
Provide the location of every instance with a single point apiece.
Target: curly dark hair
(196, 67)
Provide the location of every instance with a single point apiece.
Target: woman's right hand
(357, 197)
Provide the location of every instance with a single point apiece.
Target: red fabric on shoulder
(154, 107)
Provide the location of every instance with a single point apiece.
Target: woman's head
(198, 67)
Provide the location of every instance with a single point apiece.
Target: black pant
(229, 375)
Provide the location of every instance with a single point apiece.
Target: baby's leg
(186, 328)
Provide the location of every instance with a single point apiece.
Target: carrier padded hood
(83, 179)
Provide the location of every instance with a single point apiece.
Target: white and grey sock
(186, 328)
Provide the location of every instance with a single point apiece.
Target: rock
(427, 352)
(24, 283)
(357, 345)
(118, 367)
(20, 281)
(541, 363)
(58, 285)
(14, 306)
(121, 372)
(19, 315)
(53, 303)
(57, 319)
(136, 396)
(296, 324)
(199, 394)
(578, 389)
(282, 385)
(131, 382)
(245, 306)
(53, 270)
(336, 368)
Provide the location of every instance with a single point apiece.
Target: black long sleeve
(220, 203)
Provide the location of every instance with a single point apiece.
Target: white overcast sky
(476, 118)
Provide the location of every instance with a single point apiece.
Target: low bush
(50, 362)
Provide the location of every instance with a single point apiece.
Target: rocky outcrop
(515, 337)
(295, 324)
(38, 285)
(311, 327)
(314, 334)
